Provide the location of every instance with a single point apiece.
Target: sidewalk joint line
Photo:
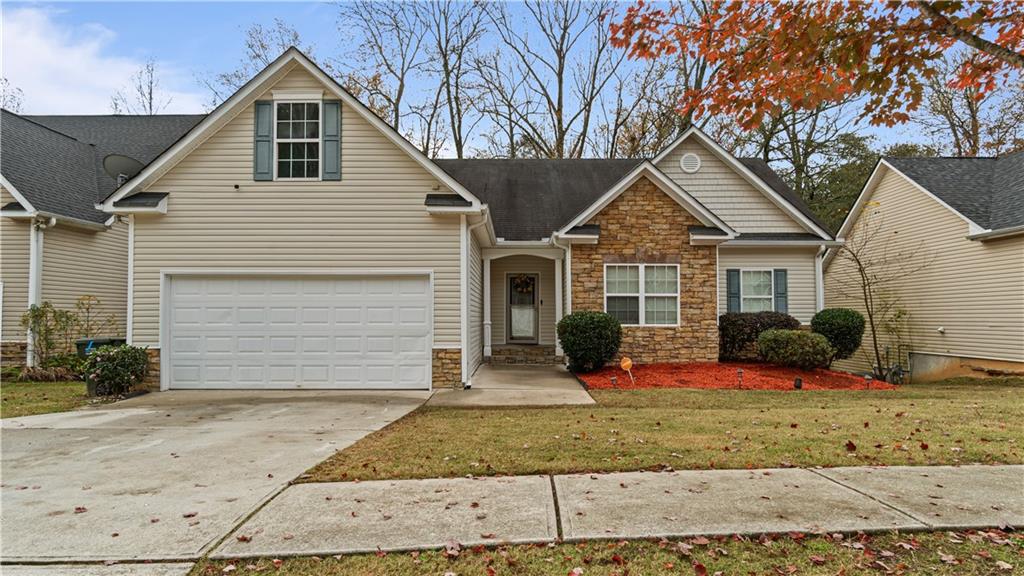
(558, 515)
(870, 497)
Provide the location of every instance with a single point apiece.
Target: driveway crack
(871, 497)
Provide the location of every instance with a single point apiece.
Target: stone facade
(152, 381)
(646, 226)
(447, 368)
(529, 354)
(13, 353)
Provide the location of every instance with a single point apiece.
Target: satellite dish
(121, 168)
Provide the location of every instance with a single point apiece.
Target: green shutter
(781, 291)
(331, 136)
(263, 142)
(732, 290)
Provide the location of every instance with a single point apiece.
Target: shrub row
(738, 332)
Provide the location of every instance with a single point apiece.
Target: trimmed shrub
(589, 339)
(738, 332)
(794, 348)
(115, 370)
(844, 329)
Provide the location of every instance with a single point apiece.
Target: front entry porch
(495, 385)
(522, 304)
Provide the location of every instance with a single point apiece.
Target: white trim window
(757, 290)
(642, 294)
(297, 140)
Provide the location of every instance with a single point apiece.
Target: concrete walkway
(350, 517)
(516, 385)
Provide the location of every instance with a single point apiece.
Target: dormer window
(297, 140)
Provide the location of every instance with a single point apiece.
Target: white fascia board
(160, 208)
(699, 240)
(997, 233)
(646, 168)
(784, 243)
(230, 107)
(747, 175)
(16, 214)
(453, 210)
(17, 195)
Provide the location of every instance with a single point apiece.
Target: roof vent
(690, 162)
(121, 168)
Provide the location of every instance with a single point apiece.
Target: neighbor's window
(642, 294)
(297, 139)
(756, 292)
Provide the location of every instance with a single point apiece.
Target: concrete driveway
(166, 476)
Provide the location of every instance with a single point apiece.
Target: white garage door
(299, 332)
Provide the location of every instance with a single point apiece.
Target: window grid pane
(661, 280)
(757, 304)
(623, 280)
(298, 139)
(625, 309)
(757, 283)
(660, 310)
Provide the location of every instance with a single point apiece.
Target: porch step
(523, 354)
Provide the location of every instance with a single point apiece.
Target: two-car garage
(297, 331)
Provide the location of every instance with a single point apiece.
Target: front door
(522, 308)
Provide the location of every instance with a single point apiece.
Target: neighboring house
(956, 226)
(292, 239)
(55, 245)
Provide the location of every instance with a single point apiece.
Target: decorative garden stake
(627, 365)
(615, 382)
(739, 377)
(798, 383)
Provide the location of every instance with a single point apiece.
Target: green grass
(939, 554)
(28, 398)
(959, 421)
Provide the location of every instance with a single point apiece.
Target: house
(951, 233)
(292, 239)
(55, 244)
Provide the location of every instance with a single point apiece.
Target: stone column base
(152, 381)
(447, 368)
(13, 353)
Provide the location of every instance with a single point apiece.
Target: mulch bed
(724, 375)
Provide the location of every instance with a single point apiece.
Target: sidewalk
(351, 517)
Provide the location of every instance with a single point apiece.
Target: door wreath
(522, 283)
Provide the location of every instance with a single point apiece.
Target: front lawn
(28, 398)
(941, 554)
(959, 421)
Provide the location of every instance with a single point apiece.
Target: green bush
(115, 370)
(589, 339)
(844, 329)
(738, 331)
(794, 348)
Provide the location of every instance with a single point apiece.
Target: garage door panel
(314, 332)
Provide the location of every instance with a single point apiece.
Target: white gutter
(464, 264)
(130, 316)
(783, 243)
(998, 233)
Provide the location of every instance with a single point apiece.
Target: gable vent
(690, 162)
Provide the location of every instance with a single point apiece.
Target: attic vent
(690, 162)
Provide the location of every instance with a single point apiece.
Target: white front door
(327, 332)
(522, 308)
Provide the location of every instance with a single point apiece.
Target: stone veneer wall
(152, 381)
(447, 368)
(13, 353)
(645, 226)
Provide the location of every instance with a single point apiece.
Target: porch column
(487, 306)
(558, 303)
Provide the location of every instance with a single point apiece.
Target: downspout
(35, 277)
(130, 312)
(468, 238)
(819, 280)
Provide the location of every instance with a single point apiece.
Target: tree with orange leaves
(808, 53)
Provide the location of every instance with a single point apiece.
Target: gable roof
(531, 198)
(755, 173)
(140, 137)
(987, 191)
(51, 172)
(246, 94)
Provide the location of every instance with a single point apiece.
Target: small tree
(870, 269)
(51, 330)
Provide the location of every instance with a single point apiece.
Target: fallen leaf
(1003, 565)
(80, 509)
(244, 538)
(817, 560)
(850, 446)
(699, 569)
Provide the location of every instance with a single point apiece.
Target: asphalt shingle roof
(989, 191)
(140, 137)
(530, 198)
(54, 172)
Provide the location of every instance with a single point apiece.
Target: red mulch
(723, 375)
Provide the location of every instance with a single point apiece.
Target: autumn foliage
(808, 53)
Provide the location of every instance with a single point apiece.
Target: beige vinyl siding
(974, 290)
(79, 262)
(373, 218)
(14, 262)
(726, 193)
(501, 268)
(476, 304)
(800, 281)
